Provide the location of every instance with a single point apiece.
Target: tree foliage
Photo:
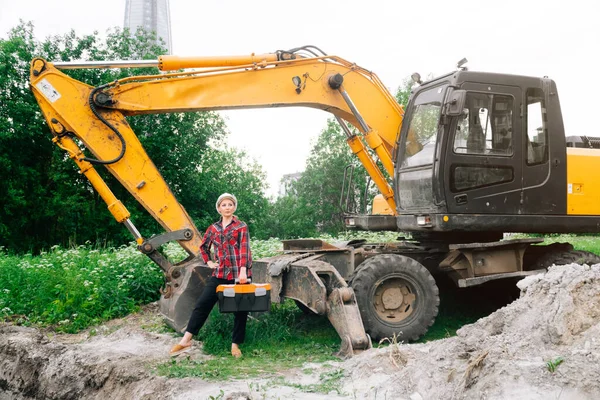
(313, 205)
(403, 92)
(230, 170)
(44, 200)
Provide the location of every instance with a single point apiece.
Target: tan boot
(235, 350)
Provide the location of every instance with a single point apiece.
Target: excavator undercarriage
(318, 286)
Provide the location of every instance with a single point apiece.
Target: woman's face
(226, 208)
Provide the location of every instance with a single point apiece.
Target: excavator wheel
(567, 257)
(396, 295)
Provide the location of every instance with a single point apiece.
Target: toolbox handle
(248, 280)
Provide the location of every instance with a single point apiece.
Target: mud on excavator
(478, 155)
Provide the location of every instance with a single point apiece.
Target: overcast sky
(551, 38)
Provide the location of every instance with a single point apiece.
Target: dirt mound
(513, 353)
(105, 363)
(506, 354)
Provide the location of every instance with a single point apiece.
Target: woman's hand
(212, 264)
(243, 277)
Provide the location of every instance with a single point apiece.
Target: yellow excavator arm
(95, 117)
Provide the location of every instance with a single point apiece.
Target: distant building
(286, 182)
(152, 15)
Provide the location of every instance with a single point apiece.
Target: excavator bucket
(182, 291)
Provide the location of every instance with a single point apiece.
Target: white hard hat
(226, 196)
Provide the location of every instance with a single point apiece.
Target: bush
(72, 289)
(75, 288)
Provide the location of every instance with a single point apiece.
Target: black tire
(390, 273)
(567, 257)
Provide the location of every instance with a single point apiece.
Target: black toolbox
(253, 297)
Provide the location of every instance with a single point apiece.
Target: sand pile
(505, 355)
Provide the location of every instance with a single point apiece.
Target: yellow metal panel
(66, 100)
(359, 149)
(268, 87)
(272, 86)
(261, 83)
(583, 188)
(381, 207)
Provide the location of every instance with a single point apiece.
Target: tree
(291, 216)
(229, 170)
(45, 201)
(403, 92)
(313, 206)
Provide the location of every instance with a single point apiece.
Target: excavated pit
(502, 356)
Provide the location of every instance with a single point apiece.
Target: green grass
(553, 364)
(282, 339)
(587, 243)
(330, 381)
(268, 361)
(69, 290)
(72, 289)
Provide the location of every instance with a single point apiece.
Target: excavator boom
(95, 116)
(301, 82)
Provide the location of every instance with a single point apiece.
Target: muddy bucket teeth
(179, 298)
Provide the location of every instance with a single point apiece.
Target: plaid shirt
(231, 248)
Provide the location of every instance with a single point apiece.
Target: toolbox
(253, 297)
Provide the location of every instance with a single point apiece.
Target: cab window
(422, 132)
(485, 126)
(537, 132)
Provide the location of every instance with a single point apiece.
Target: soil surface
(514, 353)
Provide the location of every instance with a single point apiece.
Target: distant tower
(152, 15)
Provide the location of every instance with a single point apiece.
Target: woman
(231, 243)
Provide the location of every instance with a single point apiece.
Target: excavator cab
(493, 165)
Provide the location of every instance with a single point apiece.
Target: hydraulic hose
(105, 122)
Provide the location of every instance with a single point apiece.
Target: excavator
(474, 156)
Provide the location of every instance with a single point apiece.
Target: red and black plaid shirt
(231, 248)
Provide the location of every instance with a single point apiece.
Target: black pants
(205, 304)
